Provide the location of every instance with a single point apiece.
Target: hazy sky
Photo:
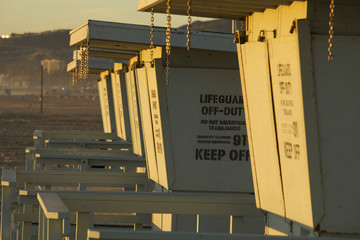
(19, 16)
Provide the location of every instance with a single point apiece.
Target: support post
(83, 222)
(6, 212)
(236, 224)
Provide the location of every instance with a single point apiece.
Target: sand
(20, 116)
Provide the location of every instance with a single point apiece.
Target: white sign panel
(199, 129)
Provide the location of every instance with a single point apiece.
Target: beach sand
(20, 116)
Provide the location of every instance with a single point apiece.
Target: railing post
(236, 224)
(6, 212)
(83, 222)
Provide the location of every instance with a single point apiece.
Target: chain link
(168, 39)
(243, 26)
(152, 34)
(331, 30)
(75, 76)
(81, 67)
(86, 62)
(188, 36)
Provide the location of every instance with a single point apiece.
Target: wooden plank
(232, 9)
(87, 144)
(84, 153)
(176, 203)
(52, 177)
(130, 37)
(6, 212)
(150, 202)
(40, 134)
(108, 234)
(53, 206)
(8, 178)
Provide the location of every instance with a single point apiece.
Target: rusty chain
(152, 34)
(168, 39)
(331, 30)
(188, 36)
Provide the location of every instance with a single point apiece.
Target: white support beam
(231, 9)
(130, 37)
(96, 64)
(109, 234)
(176, 203)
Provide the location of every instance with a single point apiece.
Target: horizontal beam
(53, 206)
(52, 177)
(96, 64)
(176, 203)
(8, 178)
(130, 37)
(231, 9)
(81, 135)
(86, 153)
(109, 234)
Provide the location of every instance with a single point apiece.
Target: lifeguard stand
(211, 166)
(300, 87)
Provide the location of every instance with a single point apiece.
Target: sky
(20, 16)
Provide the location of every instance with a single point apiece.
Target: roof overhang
(231, 9)
(134, 38)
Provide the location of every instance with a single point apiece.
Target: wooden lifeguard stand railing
(134, 38)
(247, 182)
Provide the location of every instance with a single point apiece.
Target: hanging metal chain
(152, 34)
(168, 39)
(81, 67)
(242, 26)
(75, 76)
(86, 62)
(331, 29)
(188, 36)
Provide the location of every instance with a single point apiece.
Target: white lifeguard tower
(299, 73)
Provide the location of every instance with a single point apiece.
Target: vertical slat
(236, 224)
(6, 212)
(82, 225)
(41, 227)
(54, 229)
(26, 226)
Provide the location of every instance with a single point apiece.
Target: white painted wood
(290, 125)
(41, 225)
(176, 203)
(59, 177)
(130, 37)
(120, 102)
(183, 129)
(96, 64)
(133, 96)
(82, 224)
(52, 206)
(108, 234)
(115, 145)
(261, 127)
(71, 135)
(6, 200)
(236, 224)
(106, 102)
(8, 178)
(339, 144)
(147, 125)
(26, 225)
(54, 231)
(231, 9)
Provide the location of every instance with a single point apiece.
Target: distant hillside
(21, 54)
